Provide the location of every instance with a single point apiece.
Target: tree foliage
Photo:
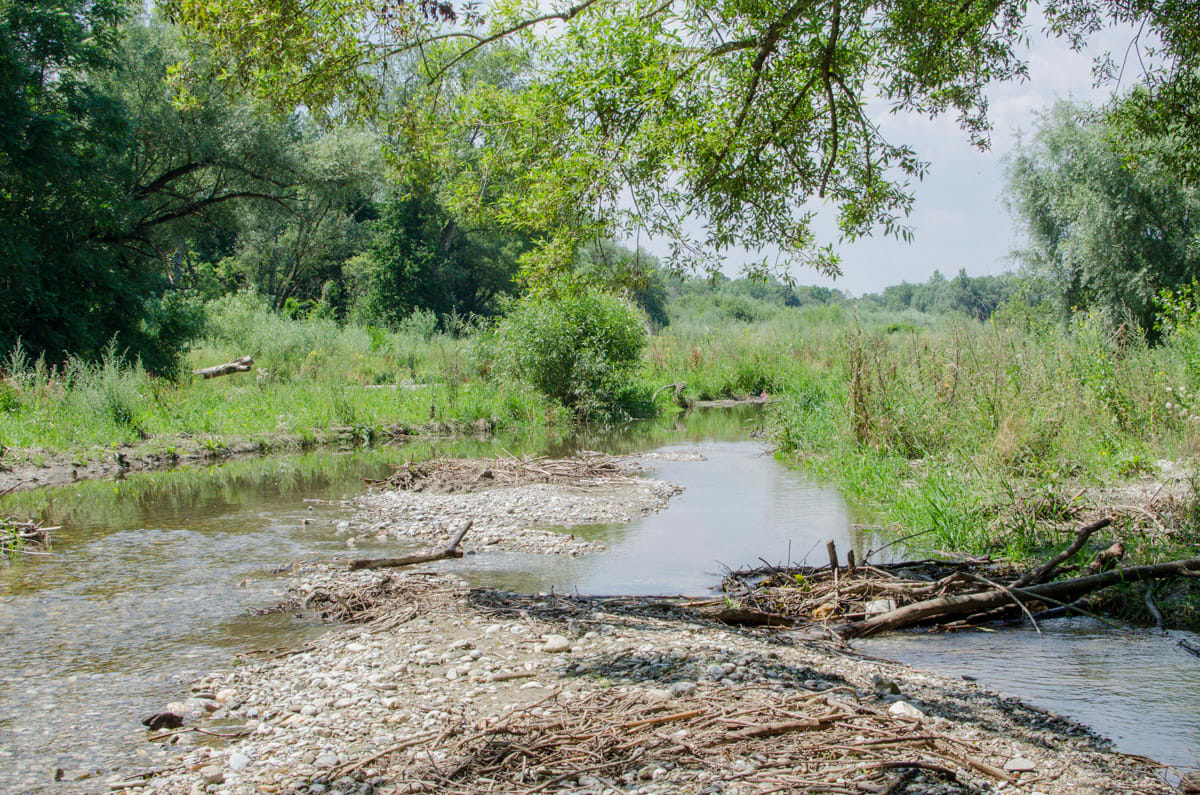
(102, 177)
(1104, 233)
(641, 114)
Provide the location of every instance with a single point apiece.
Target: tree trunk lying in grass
(451, 550)
(958, 606)
(242, 365)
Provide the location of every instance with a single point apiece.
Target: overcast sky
(960, 220)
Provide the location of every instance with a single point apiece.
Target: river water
(155, 580)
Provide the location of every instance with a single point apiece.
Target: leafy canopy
(1105, 234)
(616, 115)
(640, 114)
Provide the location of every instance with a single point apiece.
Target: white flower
(1170, 406)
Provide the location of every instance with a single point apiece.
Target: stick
(1046, 570)
(831, 548)
(1153, 608)
(637, 724)
(451, 550)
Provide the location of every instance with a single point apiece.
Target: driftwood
(677, 388)
(871, 598)
(242, 365)
(948, 607)
(23, 537)
(451, 550)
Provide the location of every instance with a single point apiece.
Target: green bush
(580, 347)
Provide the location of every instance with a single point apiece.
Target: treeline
(973, 296)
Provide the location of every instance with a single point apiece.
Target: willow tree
(621, 115)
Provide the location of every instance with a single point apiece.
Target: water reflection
(1135, 686)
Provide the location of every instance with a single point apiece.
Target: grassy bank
(309, 376)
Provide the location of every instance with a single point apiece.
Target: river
(158, 578)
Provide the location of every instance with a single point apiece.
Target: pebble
(212, 774)
(902, 709)
(326, 759)
(683, 689)
(556, 644)
(238, 761)
(1020, 764)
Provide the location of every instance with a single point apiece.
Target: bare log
(946, 607)
(242, 365)
(451, 550)
(1044, 572)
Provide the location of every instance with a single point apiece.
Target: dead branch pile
(828, 594)
(23, 537)
(868, 599)
(385, 604)
(457, 475)
(810, 742)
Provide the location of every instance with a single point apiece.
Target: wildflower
(1170, 406)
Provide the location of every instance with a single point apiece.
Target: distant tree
(422, 257)
(1105, 233)
(294, 252)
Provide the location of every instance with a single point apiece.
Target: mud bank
(441, 688)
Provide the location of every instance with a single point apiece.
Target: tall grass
(978, 433)
(309, 375)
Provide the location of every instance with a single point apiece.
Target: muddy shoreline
(386, 706)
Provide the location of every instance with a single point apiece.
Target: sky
(960, 219)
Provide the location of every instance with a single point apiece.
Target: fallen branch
(451, 550)
(242, 365)
(969, 604)
(1045, 572)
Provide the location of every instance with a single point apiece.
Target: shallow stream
(155, 580)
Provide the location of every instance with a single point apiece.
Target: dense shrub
(579, 347)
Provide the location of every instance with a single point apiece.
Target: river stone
(683, 689)
(212, 774)
(326, 759)
(1020, 764)
(162, 720)
(884, 686)
(556, 644)
(238, 761)
(902, 709)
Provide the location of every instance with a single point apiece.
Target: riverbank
(25, 469)
(450, 689)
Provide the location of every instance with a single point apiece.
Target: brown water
(154, 581)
